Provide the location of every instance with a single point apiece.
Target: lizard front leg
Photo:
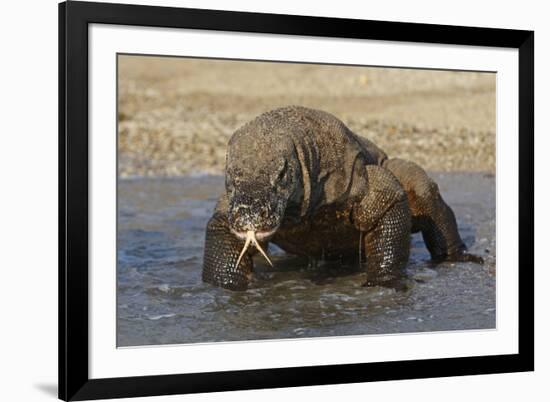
(384, 216)
(221, 252)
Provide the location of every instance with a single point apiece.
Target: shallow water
(162, 300)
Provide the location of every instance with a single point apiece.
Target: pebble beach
(175, 115)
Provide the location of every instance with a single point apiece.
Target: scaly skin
(299, 178)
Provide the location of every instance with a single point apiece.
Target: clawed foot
(399, 285)
(461, 256)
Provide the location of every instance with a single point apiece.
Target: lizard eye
(283, 171)
(279, 178)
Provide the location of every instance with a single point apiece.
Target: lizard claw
(398, 284)
(461, 256)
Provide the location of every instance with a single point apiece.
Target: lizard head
(260, 179)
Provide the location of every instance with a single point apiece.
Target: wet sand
(176, 115)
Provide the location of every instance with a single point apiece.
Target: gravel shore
(176, 114)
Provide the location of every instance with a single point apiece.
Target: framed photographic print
(258, 200)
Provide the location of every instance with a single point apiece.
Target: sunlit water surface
(162, 300)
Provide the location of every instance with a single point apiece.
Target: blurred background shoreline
(176, 114)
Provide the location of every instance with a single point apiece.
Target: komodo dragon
(299, 178)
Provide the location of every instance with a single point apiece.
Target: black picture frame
(74, 18)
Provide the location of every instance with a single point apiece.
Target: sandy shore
(176, 115)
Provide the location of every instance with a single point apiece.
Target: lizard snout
(261, 220)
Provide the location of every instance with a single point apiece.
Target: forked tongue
(251, 239)
(260, 249)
